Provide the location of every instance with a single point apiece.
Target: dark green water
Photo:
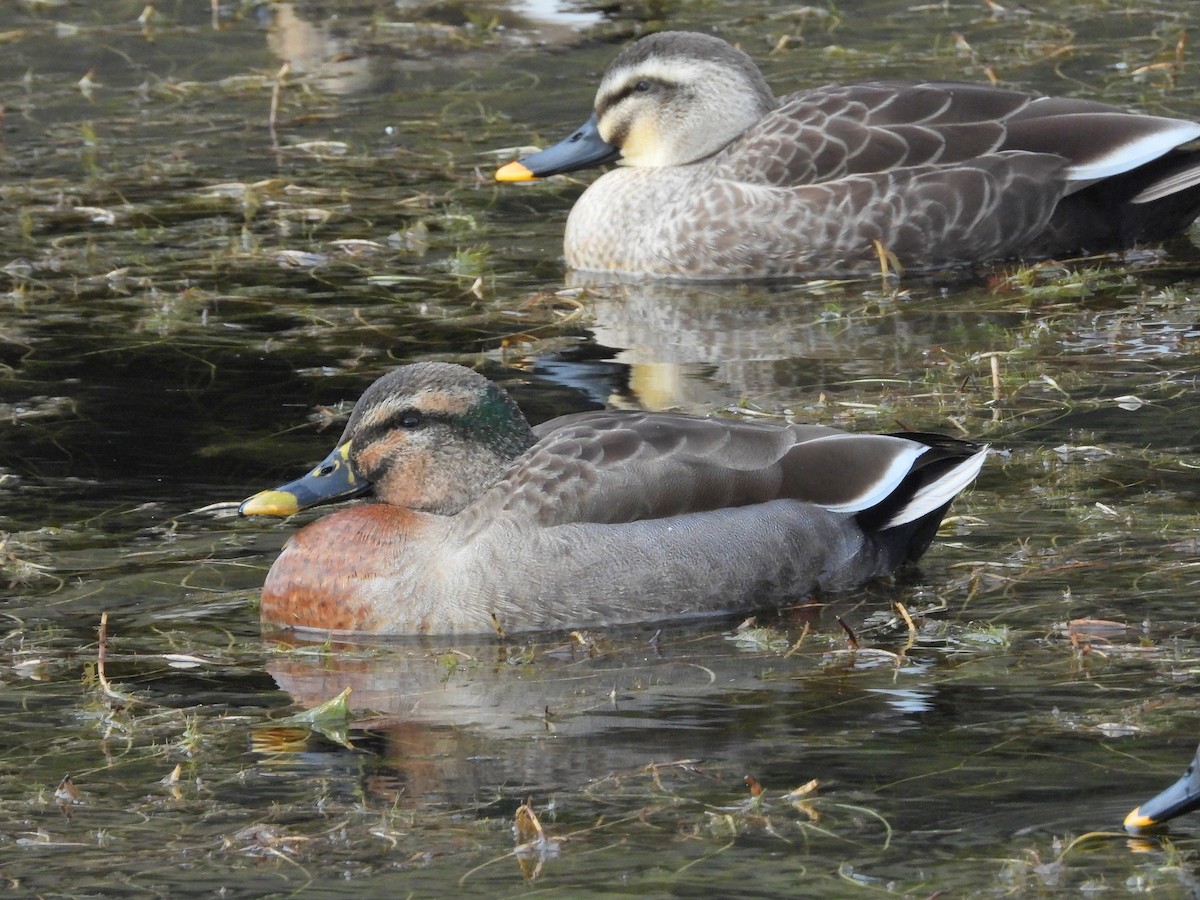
(184, 299)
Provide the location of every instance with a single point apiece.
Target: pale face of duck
(430, 437)
(673, 98)
(668, 100)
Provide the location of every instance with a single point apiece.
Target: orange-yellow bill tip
(270, 503)
(514, 171)
(1135, 821)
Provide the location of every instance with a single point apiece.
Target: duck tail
(907, 521)
(1149, 204)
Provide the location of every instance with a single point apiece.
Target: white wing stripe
(1131, 154)
(938, 493)
(1164, 187)
(883, 486)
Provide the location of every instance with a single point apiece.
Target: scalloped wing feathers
(614, 467)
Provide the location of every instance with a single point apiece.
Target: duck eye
(642, 87)
(411, 420)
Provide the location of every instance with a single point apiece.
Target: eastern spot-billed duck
(718, 178)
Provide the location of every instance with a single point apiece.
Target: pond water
(205, 258)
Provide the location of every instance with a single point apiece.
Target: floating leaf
(533, 847)
(331, 719)
(300, 259)
(66, 792)
(1088, 452)
(1129, 402)
(526, 825)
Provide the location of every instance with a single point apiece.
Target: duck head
(428, 436)
(667, 100)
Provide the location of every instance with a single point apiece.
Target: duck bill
(332, 480)
(582, 150)
(1181, 797)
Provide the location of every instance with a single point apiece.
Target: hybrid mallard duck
(602, 518)
(718, 178)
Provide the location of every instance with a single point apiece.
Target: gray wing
(623, 467)
(832, 132)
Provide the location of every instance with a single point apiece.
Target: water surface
(191, 299)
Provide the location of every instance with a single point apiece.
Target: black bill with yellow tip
(582, 150)
(333, 479)
(1181, 797)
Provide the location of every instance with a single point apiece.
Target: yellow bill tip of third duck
(1135, 821)
(270, 503)
(514, 171)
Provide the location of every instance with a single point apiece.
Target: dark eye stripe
(368, 434)
(613, 99)
(634, 88)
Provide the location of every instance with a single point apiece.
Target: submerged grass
(190, 297)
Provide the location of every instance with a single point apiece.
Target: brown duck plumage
(591, 519)
(720, 179)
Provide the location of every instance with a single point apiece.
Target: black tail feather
(909, 541)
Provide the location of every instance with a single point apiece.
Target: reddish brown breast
(333, 575)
